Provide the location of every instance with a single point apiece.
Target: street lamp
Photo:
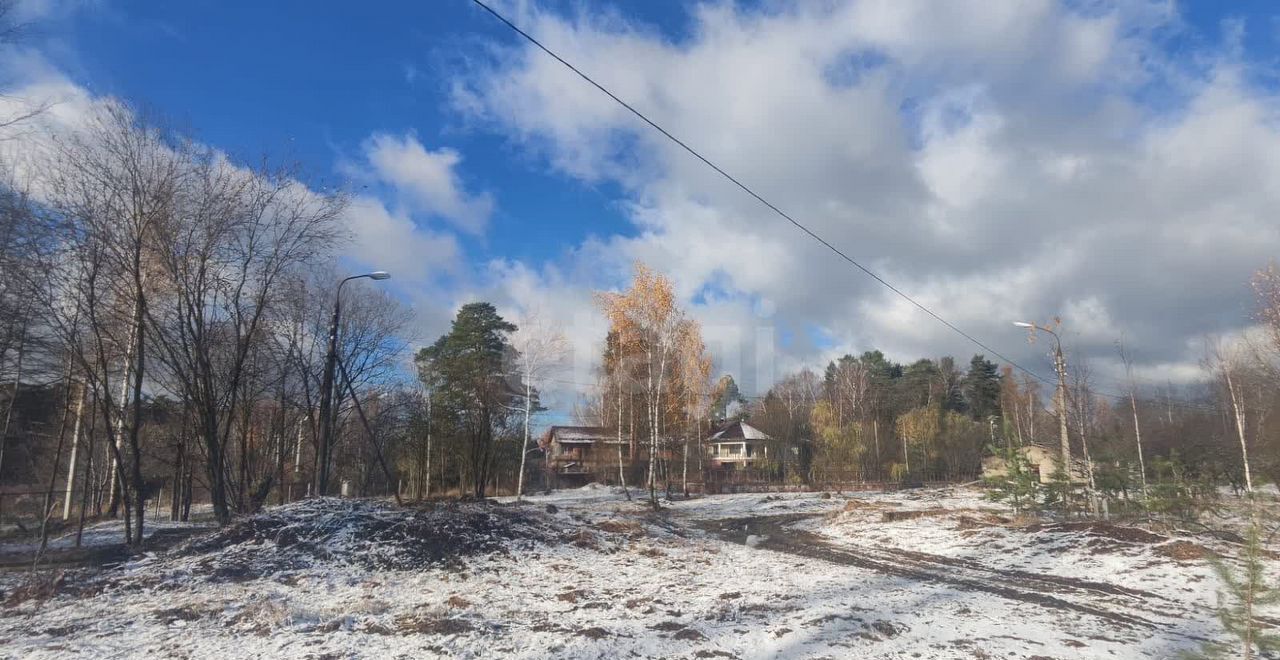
(326, 385)
(1060, 399)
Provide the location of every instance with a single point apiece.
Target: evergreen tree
(728, 403)
(920, 384)
(1246, 591)
(1019, 487)
(471, 361)
(981, 388)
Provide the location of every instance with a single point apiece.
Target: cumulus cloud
(994, 160)
(394, 242)
(427, 180)
(425, 261)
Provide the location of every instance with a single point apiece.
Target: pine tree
(1020, 485)
(1245, 591)
(981, 388)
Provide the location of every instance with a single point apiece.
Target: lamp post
(325, 445)
(1060, 399)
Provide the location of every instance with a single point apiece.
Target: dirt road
(1125, 613)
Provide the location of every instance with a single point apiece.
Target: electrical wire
(783, 214)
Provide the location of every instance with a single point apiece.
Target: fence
(716, 482)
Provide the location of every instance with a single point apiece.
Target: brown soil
(895, 516)
(1182, 551)
(979, 520)
(571, 596)
(628, 527)
(1101, 529)
(431, 625)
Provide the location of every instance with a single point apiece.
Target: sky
(1114, 164)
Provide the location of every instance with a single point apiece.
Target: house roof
(738, 431)
(578, 432)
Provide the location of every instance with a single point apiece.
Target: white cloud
(418, 256)
(992, 159)
(394, 242)
(427, 180)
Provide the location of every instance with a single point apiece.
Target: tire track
(968, 575)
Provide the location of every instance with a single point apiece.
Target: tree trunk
(46, 508)
(622, 475)
(75, 446)
(426, 487)
(1088, 460)
(1137, 439)
(114, 480)
(13, 398)
(140, 496)
(1240, 429)
(524, 447)
(87, 482)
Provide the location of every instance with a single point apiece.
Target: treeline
(869, 418)
(1131, 444)
(168, 300)
(164, 325)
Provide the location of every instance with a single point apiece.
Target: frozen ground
(586, 574)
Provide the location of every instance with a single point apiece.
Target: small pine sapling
(1019, 486)
(1245, 591)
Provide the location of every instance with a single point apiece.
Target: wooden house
(577, 455)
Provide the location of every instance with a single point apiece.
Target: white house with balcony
(738, 446)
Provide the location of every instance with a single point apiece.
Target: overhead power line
(778, 211)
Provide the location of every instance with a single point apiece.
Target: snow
(602, 577)
(104, 533)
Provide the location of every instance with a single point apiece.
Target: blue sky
(994, 159)
(312, 80)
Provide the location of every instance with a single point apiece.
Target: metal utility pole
(325, 445)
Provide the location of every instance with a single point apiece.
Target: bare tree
(1230, 369)
(1133, 407)
(541, 350)
(229, 255)
(1082, 409)
(112, 183)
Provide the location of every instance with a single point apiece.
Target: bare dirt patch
(630, 528)
(1182, 550)
(432, 625)
(367, 534)
(895, 516)
(1101, 530)
(39, 586)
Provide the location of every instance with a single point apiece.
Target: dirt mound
(367, 534)
(895, 516)
(1101, 529)
(1182, 551)
(979, 521)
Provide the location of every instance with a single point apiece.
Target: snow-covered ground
(587, 574)
(106, 532)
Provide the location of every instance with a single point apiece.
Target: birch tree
(540, 350)
(646, 314)
(1133, 408)
(1229, 368)
(695, 382)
